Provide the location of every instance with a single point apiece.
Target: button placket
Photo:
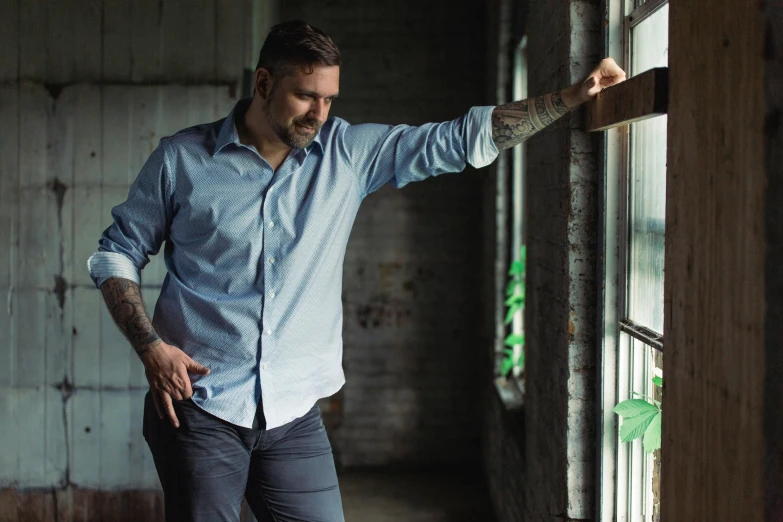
(271, 260)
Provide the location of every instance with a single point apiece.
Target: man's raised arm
(515, 122)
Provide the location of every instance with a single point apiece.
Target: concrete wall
(556, 457)
(414, 355)
(123, 41)
(87, 90)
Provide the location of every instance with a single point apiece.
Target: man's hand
(515, 122)
(606, 74)
(166, 366)
(167, 370)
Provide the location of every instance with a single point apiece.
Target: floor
(381, 496)
(408, 497)
(368, 496)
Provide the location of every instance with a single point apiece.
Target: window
(512, 357)
(634, 244)
(518, 237)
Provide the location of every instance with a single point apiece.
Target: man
(256, 210)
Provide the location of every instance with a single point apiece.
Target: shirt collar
(228, 131)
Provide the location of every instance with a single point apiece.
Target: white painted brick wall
(413, 352)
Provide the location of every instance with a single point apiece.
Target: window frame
(510, 234)
(616, 485)
(518, 192)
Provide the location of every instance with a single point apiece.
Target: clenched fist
(606, 74)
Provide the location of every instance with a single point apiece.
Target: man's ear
(263, 83)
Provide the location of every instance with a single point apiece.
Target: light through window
(635, 222)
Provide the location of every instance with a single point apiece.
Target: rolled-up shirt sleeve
(401, 154)
(140, 226)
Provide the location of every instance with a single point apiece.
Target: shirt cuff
(103, 265)
(481, 147)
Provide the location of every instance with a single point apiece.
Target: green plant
(642, 417)
(515, 301)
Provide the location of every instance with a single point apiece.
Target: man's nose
(318, 111)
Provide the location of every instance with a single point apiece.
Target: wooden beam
(638, 98)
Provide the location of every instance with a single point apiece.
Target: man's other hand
(166, 368)
(606, 74)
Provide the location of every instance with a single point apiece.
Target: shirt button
(271, 224)
(264, 366)
(269, 332)
(272, 260)
(272, 295)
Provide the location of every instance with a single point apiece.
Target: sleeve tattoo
(515, 122)
(123, 298)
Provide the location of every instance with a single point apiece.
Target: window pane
(638, 484)
(650, 42)
(647, 217)
(647, 184)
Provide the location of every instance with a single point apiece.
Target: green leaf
(517, 291)
(634, 407)
(511, 311)
(658, 381)
(517, 268)
(519, 298)
(514, 339)
(506, 367)
(512, 286)
(634, 427)
(652, 437)
(649, 399)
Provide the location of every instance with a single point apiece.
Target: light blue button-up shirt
(255, 256)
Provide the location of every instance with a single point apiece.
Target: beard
(292, 135)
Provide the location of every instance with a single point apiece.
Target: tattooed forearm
(515, 122)
(123, 297)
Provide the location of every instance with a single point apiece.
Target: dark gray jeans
(207, 465)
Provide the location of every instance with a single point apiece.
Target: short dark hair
(296, 44)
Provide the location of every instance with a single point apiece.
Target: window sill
(510, 393)
(512, 410)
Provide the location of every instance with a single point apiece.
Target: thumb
(195, 367)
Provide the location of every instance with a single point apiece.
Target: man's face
(299, 104)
